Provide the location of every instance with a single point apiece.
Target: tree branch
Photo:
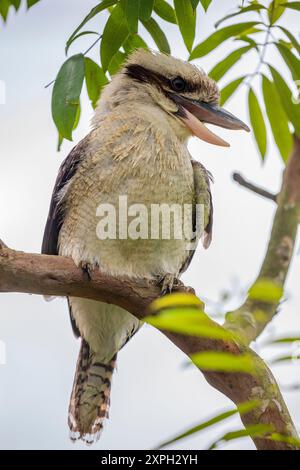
(55, 275)
(247, 319)
(253, 187)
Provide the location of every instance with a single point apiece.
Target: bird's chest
(129, 215)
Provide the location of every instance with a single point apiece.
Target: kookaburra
(137, 148)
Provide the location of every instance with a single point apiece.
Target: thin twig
(253, 187)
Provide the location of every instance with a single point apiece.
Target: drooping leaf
(277, 118)
(83, 33)
(291, 61)
(16, 4)
(224, 362)
(275, 11)
(186, 19)
(291, 37)
(114, 34)
(205, 4)
(188, 321)
(30, 3)
(293, 358)
(242, 409)
(286, 97)
(215, 39)
(146, 8)
(165, 11)
(116, 63)
(284, 340)
(222, 67)
(131, 9)
(134, 41)
(95, 80)
(194, 3)
(292, 5)
(256, 430)
(66, 93)
(94, 11)
(158, 35)
(229, 89)
(257, 122)
(4, 7)
(254, 7)
(294, 441)
(266, 290)
(177, 299)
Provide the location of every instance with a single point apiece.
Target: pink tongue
(201, 131)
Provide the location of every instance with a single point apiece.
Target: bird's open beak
(195, 113)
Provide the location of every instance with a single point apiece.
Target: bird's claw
(87, 269)
(167, 282)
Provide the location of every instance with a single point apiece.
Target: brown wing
(202, 195)
(56, 213)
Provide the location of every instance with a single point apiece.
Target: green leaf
(242, 409)
(66, 93)
(222, 67)
(94, 11)
(165, 11)
(254, 7)
(292, 5)
(275, 11)
(284, 340)
(30, 3)
(266, 290)
(178, 299)
(257, 123)
(215, 39)
(114, 35)
(291, 61)
(83, 33)
(277, 118)
(16, 4)
(146, 8)
(158, 35)
(188, 321)
(4, 7)
(134, 41)
(77, 117)
(194, 3)
(291, 37)
(95, 80)
(292, 110)
(256, 430)
(224, 362)
(290, 358)
(229, 89)
(186, 19)
(205, 4)
(294, 441)
(116, 63)
(131, 9)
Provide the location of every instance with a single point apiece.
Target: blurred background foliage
(124, 30)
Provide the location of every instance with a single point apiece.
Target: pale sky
(153, 395)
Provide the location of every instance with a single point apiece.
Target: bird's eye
(178, 84)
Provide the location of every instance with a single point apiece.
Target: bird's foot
(167, 282)
(87, 269)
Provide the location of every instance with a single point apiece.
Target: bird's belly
(140, 231)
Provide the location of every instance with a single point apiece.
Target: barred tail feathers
(90, 397)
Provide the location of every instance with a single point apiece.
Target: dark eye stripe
(137, 72)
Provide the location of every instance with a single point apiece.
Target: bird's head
(184, 92)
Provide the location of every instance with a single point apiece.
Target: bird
(137, 148)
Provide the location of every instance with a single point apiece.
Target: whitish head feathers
(147, 77)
